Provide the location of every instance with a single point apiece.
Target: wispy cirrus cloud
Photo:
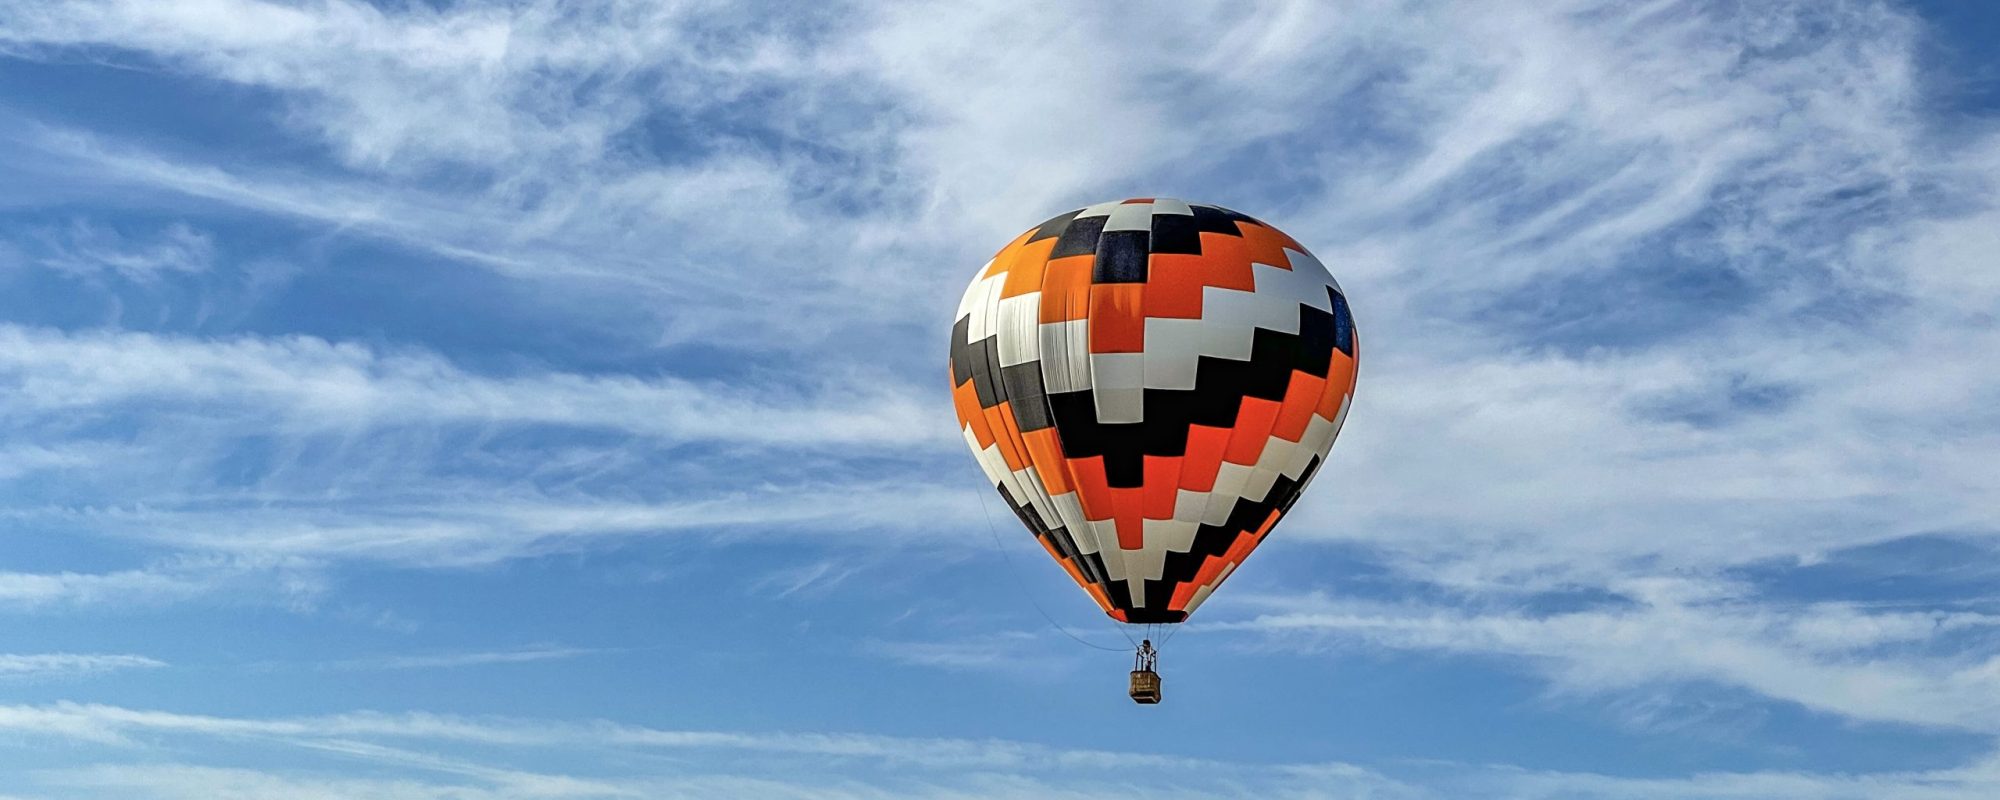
(465, 659)
(84, 249)
(942, 767)
(1003, 651)
(168, 581)
(472, 526)
(21, 460)
(114, 724)
(308, 383)
(68, 665)
(1919, 667)
(312, 413)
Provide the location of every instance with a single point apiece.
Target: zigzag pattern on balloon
(1150, 384)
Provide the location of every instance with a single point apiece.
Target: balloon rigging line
(986, 512)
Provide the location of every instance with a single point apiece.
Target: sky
(548, 399)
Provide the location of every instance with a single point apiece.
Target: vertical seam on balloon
(1051, 365)
(1015, 435)
(1033, 332)
(1070, 363)
(1071, 373)
(1006, 427)
(1090, 367)
(1083, 526)
(1179, 463)
(1078, 527)
(973, 425)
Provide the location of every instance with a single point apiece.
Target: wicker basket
(1145, 686)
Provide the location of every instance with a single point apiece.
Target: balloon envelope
(1150, 384)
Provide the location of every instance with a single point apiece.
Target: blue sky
(439, 400)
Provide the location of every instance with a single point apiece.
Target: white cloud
(1881, 666)
(174, 782)
(453, 530)
(309, 383)
(23, 459)
(46, 665)
(325, 423)
(469, 659)
(1017, 652)
(82, 248)
(392, 89)
(192, 782)
(552, 112)
(113, 724)
(173, 580)
(602, 764)
(1976, 780)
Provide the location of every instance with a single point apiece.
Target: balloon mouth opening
(1146, 616)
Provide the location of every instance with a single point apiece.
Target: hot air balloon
(1150, 384)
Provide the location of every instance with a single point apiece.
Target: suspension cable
(986, 512)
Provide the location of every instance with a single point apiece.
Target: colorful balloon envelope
(1150, 384)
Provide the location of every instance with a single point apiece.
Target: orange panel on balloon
(965, 401)
(1205, 448)
(1045, 452)
(1163, 486)
(1302, 395)
(1253, 429)
(1129, 517)
(1066, 289)
(1024, 271)
(1266, 246)
(1000, 419)
(1228, 261)
(1175, 287)
(1093, 490)
(1118, 318)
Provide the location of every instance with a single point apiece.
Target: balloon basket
(1145, 686)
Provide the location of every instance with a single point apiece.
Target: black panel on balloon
(1023, 384)
(1054, 227)
(1343, 323)
(961, 363)
(982, 361)
(1318, 333)
(1121, 258)
(1125, 467)
(1209, 219)
(1175, 233)
(1080, 238)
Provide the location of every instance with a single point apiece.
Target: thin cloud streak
(307, 383)
(62, 665)
(948, 768)
(171, 581)
(1895, 667)
(475, 659)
